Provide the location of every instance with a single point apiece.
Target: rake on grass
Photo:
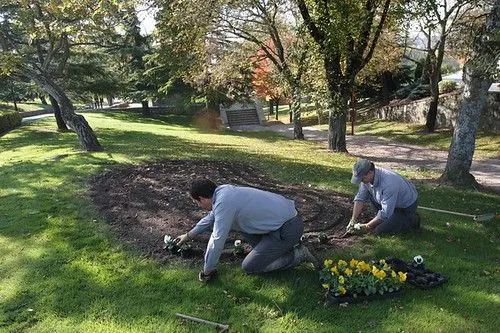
(477, 218)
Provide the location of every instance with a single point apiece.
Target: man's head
(362, 171)
(202, 191)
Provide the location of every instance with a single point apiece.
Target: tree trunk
(477, 77)
(42, 99)
(297, 123)
(146, 112)
(61, 126)
(430, 121)
(77, 123)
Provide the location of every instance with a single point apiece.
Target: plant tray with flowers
(359, 281)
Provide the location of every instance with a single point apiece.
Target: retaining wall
(449, 105)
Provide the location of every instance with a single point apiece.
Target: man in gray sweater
(269, 222)
(394, 196)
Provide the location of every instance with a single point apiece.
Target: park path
(391, 154)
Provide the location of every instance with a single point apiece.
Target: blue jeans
(274, 250)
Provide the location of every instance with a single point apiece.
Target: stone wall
(449, 104)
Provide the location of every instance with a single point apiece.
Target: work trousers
(274, 250)
(402, 220)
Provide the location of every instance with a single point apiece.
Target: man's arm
(224, 216)
(201, 226)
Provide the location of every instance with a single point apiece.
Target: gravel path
(393, 154)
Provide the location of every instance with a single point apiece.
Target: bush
(447, 86)
(403, 92)
(9, 120)
(315, 119)
(419, 92)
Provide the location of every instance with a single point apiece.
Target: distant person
(269, 222)
(394, 196)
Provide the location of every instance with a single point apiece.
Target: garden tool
(477, 218)
(223, 328)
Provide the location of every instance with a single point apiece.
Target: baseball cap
(359, 169)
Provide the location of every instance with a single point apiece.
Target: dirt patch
(143, 203)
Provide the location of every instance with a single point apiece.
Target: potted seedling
(185, 250)
(170, 244)
(238, 248)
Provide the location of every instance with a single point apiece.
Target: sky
(146, 17)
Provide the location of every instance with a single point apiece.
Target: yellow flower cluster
(358, 276)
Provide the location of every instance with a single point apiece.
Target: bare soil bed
(143, 203)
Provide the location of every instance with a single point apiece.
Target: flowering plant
(238, 247)
(358, 278)
(170, 243)
(172, 246)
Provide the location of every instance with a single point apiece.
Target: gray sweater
(390, 190)
(244, 209)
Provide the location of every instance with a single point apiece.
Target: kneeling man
(394, 196)
(269, 222)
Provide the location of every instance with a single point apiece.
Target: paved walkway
(392, 154)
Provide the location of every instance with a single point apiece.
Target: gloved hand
(359, 229)
(205, 277)
(182, 239)
(351, 224)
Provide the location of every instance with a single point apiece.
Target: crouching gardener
(394, 196)
(269, 222)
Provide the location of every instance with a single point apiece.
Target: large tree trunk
(61, 126)
(297, 122)
(77, 123)
(477, 77)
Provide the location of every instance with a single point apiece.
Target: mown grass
(486, 143)
(22, 107)
(63, 271)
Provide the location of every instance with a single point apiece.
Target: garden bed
(143, 203)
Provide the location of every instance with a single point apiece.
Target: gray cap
(359, 169)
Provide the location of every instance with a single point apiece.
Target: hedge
(9, 120)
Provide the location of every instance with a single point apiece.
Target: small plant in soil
(170, 244)
(184, 250)
(238, 248)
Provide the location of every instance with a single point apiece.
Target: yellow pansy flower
(393, 274)
(334, 270)
(348, 272)
(342, 263)
(326, 285)
(342, 290)
(381, 274)
(353, 263)
(328, 263)
(402, 276)
(341, 279)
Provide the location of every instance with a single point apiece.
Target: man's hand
(351, 224)
(205, 277)
(359, 229)
(182, 239)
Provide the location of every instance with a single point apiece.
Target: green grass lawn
(486, 143)
(63, 271)
(22, 107)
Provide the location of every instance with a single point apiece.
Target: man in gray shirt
(394, 196)
(269, 222)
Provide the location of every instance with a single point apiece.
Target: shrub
(315, 119)
(447, 86)
(9, 120)
(420, 91)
